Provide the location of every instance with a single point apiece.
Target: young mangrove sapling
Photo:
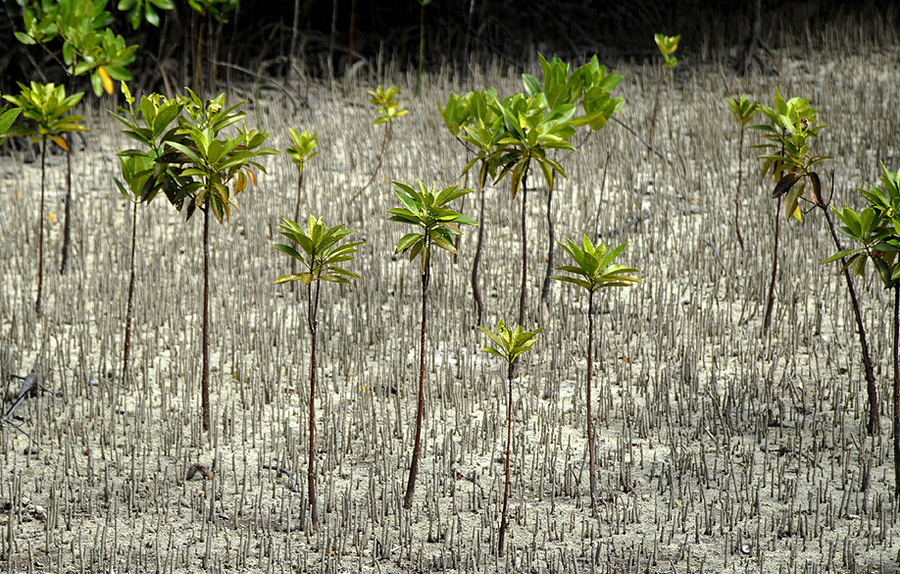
(321, 253)
(593, 270)
(437, 224)
(510, 344)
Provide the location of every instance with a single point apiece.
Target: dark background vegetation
(460, 33)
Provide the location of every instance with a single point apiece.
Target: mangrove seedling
(471, 120)
(877, 228)
(743, 110)
(321, 252)
(789, 136)
(593, 270)
(388, 109)
(510, 344)
(302, 149)
(667, 46)
(142, 174)
(437, 224)
(213, 170)
(44, 108)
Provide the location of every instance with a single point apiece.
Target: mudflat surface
(719, 449)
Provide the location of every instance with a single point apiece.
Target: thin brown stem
(129, 305)
(312, 309)
(872, 423)
(896, 405)
(771, 298)
(551, 242)
(522, 291)
(737, 193)
(204, 378)
(64, 257)
(590, 418)
(384, 147)
(37, 303)
(476, 290)
(420, 409)
(504, 521)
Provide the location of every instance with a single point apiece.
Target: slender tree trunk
(476, 290)
(551, 242)
(129, 308)
(37, 302)
(204, 381)
(64, 256)
(509, 401)
(771, 298)
(312, 307)
(590, 415)
(522, 292)
(896, 409)
(737, 193)
(420, 409)
(872, 424)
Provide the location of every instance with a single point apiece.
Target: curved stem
(384, 147)
(872, 424)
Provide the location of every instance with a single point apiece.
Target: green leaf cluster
(510, 343)
(44, 109)
(192, 161)
(303, 147)
(877, 228)
(89, 46)
(144, 11)
(321, 252)
(507, 135)
(789, 136)
(215, 167)
(151, 124)
(427, 210)
(667, 46)
(594, 268)
(743, 108)
(386, 104)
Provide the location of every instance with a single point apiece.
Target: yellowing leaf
(107, 81)
(59, 141)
